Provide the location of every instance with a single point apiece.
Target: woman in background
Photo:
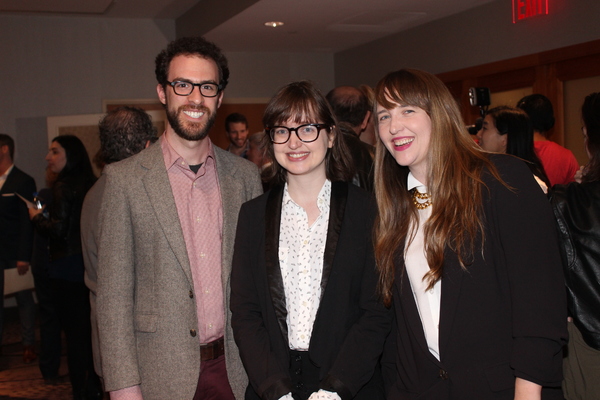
(305, 313)
(509, 130)
(466, 246)
(68, 158)
(577, 210)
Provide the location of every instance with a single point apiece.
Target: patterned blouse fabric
(301, 250)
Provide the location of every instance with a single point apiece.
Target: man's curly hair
(191, 46)
(124, 131)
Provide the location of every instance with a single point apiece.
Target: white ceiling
(310, 25)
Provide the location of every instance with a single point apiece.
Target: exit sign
(523, 9)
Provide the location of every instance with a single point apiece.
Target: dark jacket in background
(577, 210)
(16, 232)
(62, 227)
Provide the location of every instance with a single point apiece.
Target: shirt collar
(412, 182)
(5, 174)
(173, 158)
(322, 198)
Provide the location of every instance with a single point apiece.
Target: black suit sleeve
(535, 275)
(363, 344)
(25, 243)
(266, 370)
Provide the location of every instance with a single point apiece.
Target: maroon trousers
(212, 382)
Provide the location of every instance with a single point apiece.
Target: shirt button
(210, 326)
(207, 291)
(197, 219)
(305, 242)
(193, 332)
(202, 255)
(191, 294)
(194, 184)
(443, 374)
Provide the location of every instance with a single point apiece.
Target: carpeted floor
(20, 381)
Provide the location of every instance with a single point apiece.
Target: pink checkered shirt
(198, 201)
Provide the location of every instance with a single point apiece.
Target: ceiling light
(273, 24)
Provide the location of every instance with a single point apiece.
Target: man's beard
(192, 131)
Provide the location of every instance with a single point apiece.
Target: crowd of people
(391, 256)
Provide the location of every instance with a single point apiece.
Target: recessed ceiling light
(273, 24)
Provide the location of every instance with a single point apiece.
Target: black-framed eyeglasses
(306, 133)
(185, 88)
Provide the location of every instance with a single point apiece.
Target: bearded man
(168, 221)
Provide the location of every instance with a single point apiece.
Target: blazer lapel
(273, 269)
(337, 208)
(411, 313)
(451, 283)
(230, 210)
(158, 188)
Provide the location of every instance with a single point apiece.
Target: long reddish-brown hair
(455, 164)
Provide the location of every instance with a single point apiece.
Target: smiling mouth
(193, 114)
(402, 142)
(297, 155)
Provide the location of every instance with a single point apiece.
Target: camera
(479, 96)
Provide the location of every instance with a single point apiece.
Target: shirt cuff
(324, 395)
(130, 393)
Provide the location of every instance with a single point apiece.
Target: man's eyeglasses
(185, 88)
(306, 133)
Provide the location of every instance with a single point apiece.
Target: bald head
(349, 105)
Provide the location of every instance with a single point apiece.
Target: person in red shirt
(559, 163)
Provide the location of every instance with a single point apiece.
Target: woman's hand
(526, 390)
(579, 174)
(35, 211)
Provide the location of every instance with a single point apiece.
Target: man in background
(124, 132)
(351, 106)
(16, 239)
(236, 126)
(559, 163)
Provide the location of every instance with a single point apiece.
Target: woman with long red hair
(466, 246)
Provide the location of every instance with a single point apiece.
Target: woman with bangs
(305, 312)
(466, 247)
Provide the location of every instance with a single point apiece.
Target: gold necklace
(421, 196)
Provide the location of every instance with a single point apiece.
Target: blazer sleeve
(60, 212)
(266, 370)
(25, 243)
(115, 300)
(362, 347)
(527, 232)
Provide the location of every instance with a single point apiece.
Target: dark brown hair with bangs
(455, 164)
(302, 103)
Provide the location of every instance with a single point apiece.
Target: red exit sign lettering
(523, 9)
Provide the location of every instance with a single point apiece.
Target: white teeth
(297, 155)
(403, 141)
(194, 114)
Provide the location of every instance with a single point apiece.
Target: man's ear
(162, 96)
(365, 122)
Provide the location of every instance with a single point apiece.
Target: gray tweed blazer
(145, 308)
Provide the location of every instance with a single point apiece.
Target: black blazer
(504, 317)
(16, 231)
(351, 324)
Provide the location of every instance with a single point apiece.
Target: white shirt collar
(413, 182)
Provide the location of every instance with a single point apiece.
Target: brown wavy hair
(455, 165)
(303, 103)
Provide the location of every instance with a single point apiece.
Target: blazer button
(443, 374)
(191, 294)
(193, 332)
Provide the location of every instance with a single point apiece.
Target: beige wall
(478, 36)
